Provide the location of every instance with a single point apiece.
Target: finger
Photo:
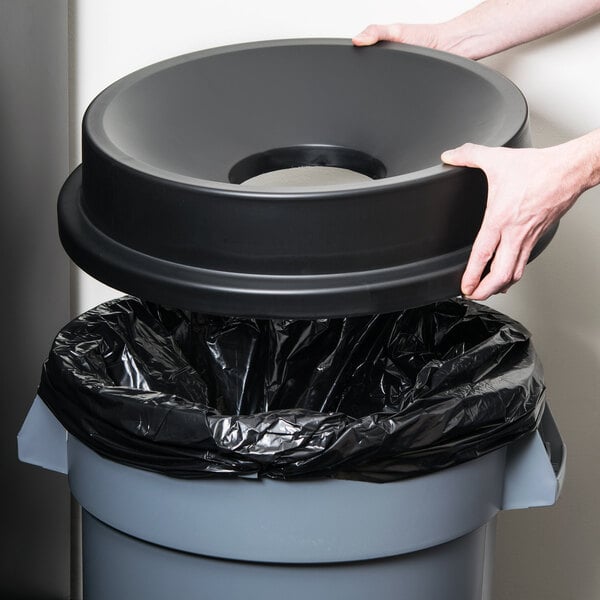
(526, 250)
(483, 249)
(467, 155)
(521, 263)
(374, 33)
(501, 275)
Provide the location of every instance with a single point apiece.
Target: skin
(528, 189)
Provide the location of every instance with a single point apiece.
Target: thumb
(467, 155)
(364, 38)
(371, 35)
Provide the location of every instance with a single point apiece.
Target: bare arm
(488, 28)
(528, 189)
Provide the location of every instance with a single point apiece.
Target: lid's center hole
(307, 176)
(309, 165)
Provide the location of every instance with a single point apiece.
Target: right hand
(419, 35)
(529, 189)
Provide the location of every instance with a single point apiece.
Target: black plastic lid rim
(368, 292)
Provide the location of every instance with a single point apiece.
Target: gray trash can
(152, 537)
(158, 209)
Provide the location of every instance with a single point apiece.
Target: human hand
(528, 190)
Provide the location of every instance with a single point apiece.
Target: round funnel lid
(176, 202)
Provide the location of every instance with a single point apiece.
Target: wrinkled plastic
(375, 398)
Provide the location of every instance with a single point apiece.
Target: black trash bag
(376, 398)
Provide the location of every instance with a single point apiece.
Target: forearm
(495, 25)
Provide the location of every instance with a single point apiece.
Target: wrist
(458, 37)
(581, 157)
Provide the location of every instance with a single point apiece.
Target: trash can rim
(93, 122)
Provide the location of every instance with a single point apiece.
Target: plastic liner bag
(376, 398)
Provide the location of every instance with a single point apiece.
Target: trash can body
(122, 567)
(150, 536)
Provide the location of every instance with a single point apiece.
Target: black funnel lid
(157, 208)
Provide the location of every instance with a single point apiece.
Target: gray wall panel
(34, 284)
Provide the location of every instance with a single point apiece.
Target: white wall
(547, 554)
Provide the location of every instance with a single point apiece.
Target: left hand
(528, 190)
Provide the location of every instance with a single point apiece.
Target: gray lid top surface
(159, 208)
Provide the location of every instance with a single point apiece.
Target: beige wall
(544, 554)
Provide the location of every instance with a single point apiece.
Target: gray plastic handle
(42, 440)
(535, 467)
